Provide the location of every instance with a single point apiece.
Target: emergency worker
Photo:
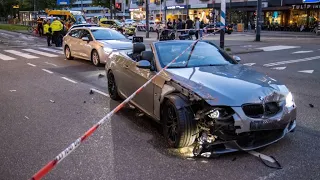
(47, 31)
(56, 27)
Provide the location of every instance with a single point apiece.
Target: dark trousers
(197, 34)
(56, 38)
(49, 37)
(40, 30)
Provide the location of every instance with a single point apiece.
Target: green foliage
(11, 27)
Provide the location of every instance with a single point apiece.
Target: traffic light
(118, 6)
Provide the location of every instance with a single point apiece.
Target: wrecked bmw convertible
(205, 98)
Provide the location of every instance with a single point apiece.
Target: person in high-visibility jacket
(47, 31)
(57, 27)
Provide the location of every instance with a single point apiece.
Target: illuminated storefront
(176, 12)
(200, 11)
(137, 14)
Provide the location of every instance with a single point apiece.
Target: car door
(136, 77)
(74, 41)
(85, 47)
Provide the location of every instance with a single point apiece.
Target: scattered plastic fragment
(91, 92)
(311, 105)
(235, 158)
(84, 101)
(13, 90)
(26, 117)
(52, 101)
(100, 76)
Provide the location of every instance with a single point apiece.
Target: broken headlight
(215, 113)
(289, 100)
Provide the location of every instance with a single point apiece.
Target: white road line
(301, 52)
(277, 48)
(51, 64)
(50, 72)
(21, 54)
(70, 80)
(292, 61)
(6, 58)
(279, 68)
(31, 64)
(40, 53)
(264, 157)
(52, 50)
(249, 64)
(100, 92)
(307, 71)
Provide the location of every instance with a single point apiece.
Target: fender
(180, 101)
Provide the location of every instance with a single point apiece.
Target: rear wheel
(179, 126)
(112, 87)
(95, 58)
(67, 53)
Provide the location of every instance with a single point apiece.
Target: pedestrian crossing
(29, 53)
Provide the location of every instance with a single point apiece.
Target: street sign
(311, 1)
(63, 2)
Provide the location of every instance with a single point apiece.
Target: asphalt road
(45, 105)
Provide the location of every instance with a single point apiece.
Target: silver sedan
(94, 44)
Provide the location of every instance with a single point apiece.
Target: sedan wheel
(179, 126)
(67, 52)
(95, 58)
(112, 87)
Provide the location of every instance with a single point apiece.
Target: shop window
(179, 1)
(140, 2)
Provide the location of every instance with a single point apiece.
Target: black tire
(67, 49)
(95, 58)
(186, 127)
(112, 87)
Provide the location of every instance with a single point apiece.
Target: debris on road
(84, 101)
(311, 105)
(91, 92)
(13, 90)
(52, 101)
(26, 117)
(100, 76)
(235, 158)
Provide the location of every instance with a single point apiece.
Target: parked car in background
(94, 43)
(117, 25)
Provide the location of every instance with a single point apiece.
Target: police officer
(56, 27)
(47, 31)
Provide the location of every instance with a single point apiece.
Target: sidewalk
(282, 34)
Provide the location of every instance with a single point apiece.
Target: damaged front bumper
(251, 133)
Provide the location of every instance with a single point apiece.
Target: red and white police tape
(47, 168)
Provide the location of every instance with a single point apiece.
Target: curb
(246, 51)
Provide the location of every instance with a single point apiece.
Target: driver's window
(86, 33)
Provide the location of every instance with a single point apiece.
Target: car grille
(258, 110)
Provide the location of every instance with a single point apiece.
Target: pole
(258, 20)
(222, 22)
(82, 5)
(160, 11)
(165, 12)
(230, 14)
(110, 10)
(147, 18)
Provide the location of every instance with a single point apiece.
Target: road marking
(277, 48)
(70, 80)
(6, 58)
(301, 52)
(31, 64)
(50, 72)
(40, 53)
(292, 61)
(21, 54)
(51, 64)
(100, 92)
(58, 48)
(307, 71)
(279, 68)
(262, 156)
(249, 64)
(52, 50)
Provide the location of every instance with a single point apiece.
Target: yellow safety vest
(56, 26)
(46, 29)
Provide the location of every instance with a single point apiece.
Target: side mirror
(143, 64)
(237, 58)
(85, 39)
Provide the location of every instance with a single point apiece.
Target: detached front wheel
(179, 126)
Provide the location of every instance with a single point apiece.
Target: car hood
(230, 85)
(117, 44)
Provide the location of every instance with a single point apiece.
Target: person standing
(197, 27)
(47, 31)
(40, 26)
(169, 24)
(57, 28)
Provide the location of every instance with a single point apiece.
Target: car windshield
(79, 18)
(107, 34)
(118, 22)
(204, 54)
